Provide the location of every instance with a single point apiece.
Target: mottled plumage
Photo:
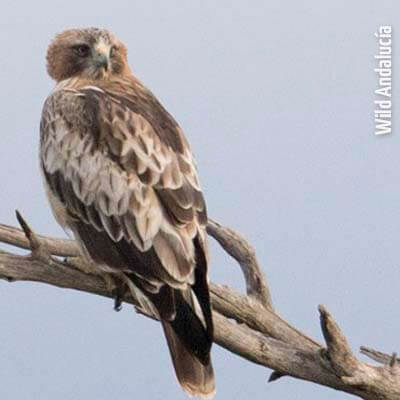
(120, 176)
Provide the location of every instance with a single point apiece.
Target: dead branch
(245, 325)
(244, 254)
(379, 356)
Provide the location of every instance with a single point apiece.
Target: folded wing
(121, 176)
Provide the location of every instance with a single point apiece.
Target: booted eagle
(119, 175)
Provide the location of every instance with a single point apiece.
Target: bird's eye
(82, 50)
(113, 50)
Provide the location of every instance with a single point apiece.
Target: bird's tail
(185, 315)
(188, 328)
(194, 371)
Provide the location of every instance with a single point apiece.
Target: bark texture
(247, 325)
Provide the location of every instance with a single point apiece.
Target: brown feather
(196, 378)
(119, 173)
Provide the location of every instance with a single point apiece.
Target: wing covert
(110, 169)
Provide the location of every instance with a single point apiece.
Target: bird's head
(88, 53)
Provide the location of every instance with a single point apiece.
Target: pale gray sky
(276, 99)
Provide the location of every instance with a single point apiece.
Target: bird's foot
(118, 296)
(117, 288)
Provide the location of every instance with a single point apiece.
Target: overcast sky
(276, 99)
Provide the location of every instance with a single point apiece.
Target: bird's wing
(121, 176)
(123, 172)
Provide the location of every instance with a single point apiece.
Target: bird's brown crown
(90, 53)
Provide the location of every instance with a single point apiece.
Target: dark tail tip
(195, 377)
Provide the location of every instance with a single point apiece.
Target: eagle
(121, 178)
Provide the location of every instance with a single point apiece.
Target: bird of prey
(120, 176)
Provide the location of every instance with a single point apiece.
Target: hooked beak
(101, 60)
(101, 56)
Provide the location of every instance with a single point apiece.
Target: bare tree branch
(245, 325)
(57, 247)
(379, 356)
(238, 248)
(338, 352)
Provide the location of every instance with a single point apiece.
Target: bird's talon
(118, 295)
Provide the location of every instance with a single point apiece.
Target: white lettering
(383, 111)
